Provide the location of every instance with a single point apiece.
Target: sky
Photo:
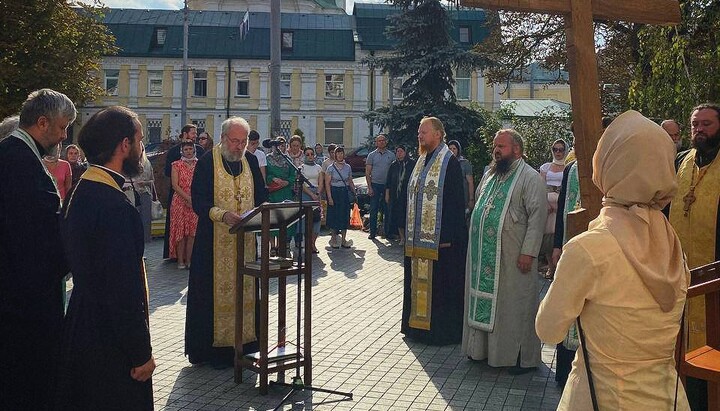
(165, 4)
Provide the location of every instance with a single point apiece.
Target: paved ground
(357, 347)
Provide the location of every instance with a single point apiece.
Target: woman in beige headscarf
(625, 278)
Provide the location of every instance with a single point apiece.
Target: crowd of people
(471, 254)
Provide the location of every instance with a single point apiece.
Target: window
(465, 34)
(200, 124)
(285, 83)
(334, 132)
(462, 84)
(111, 82)
(335, 85)
(396, 83)
(160, 35)
(287, 41)
(200, 81)
(154, 128)
(242, 85)
(155, 80)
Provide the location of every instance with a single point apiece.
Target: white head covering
(633, 166)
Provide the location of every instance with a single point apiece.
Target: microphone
(270, 143)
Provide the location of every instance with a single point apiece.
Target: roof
(371, 20)
(542, 75)
(216, 34)
(535, 107)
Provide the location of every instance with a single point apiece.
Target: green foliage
(425, 57)
(538, 134)
(50, 43)
(679, 65)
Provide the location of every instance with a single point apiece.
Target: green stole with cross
(425, 194)
(486, 225)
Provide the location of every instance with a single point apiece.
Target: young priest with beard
(106, 358)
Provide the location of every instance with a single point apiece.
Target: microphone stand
(297, 382)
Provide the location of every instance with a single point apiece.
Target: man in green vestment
(501, 288)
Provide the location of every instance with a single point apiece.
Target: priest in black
(227, 183)
(32, 264)
(436, 242)
(106, 357)
(187, 133)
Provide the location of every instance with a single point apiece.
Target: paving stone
(357, 346)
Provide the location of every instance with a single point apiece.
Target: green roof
(371, 19)
(216, 34)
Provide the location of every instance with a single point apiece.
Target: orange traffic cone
(355, 220)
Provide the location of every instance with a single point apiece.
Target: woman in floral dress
(183, 220)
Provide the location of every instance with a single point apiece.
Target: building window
(285, 85)
(242, 85)
(465, 34)
(287, 41)
(200, 82)
(335, 85)
(334, 132)
(396, 84)
(155, 80)
(462, 84)
(111, 82)
(200, 124)
(160, 35)
(154, 128)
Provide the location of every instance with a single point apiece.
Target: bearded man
(436, 241)
(106, 359)
(227, 183)
(32, 263)
(501, 289)
(694, 215)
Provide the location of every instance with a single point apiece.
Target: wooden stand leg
(713, 395)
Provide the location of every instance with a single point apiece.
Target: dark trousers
(377, 204)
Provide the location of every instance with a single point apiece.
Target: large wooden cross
(582, 67)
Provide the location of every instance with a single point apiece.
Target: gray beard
(228, 156)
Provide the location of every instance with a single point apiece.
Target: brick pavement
(357, 347)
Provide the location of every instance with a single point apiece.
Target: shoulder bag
(352, 197)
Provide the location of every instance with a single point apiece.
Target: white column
(221, 99)
(177, 88)
(134, 75)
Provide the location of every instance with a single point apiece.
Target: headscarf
(633, 167)
(563, 161)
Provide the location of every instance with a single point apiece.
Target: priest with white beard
(227, 183)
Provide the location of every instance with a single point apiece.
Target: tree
(538, 134)
(661, 71)
(678, 66)
(50, 43)
(425, 55)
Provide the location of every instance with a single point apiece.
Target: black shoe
(515, 370)
(371, 237)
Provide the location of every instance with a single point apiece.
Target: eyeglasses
(558, 150)
(203, 138)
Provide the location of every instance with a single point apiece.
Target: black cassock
(448, 279)
(199, 320)
(32, 266)
(106, 332)
(172, 155)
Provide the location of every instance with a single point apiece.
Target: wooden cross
(582, 67)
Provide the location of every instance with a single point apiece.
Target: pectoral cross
(488, 207)
(582, 66)
(689, 199)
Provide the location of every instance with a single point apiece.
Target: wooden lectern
(266, 217)
(704, 363)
